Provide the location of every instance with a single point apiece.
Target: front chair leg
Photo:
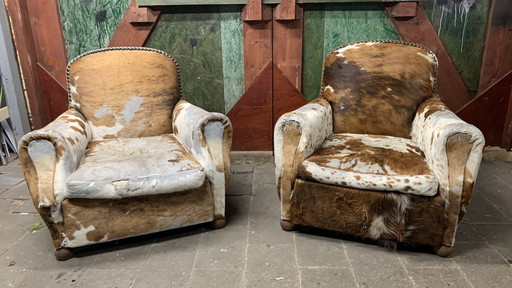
(218, 222)
(63, 254)
(444, 251)
(287, 225)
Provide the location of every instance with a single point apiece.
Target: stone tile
(499, 236)
(9, 238)
(240, 184)
(216, 278)
(186, 236)
(265, 199)
(54, 278)
(316, 251)
(104, 278)
(483, 266)
(243, 167)
(375, 266)
(417, 259)
(264, 228)
(501, 169)
(7, 182)
(498, 194)
(467, 234)
(482, 212)
(13, 169)
(30, 252)
(238, 210)
(264, 175)
(271, 266)
(167, 267)
(124, 256)
(26, 207)
(17, 192)
(13, 278)
(438, 277)
(264, 161)
(223, 249)
(327, 277)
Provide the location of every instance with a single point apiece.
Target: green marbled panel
(89, 24)
(313, 50)
(232, 54)
(194, 39)
(461, 26)
(345, 23)
(341, 24)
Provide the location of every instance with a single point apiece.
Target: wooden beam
(251, 116)
(241, 2)
(285, 96)
(497, 58)
(130, 33)
(143, 15)
(285, 10)
(404, 9)
(56, 94)
(26, 49)
(490, 112)
(257, 37)
(419, 30)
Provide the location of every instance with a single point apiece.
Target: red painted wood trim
(253, 11)
(286, 97)
(133, 34)
(286, 10)
(251, 116)
(490, 112)
(287, 47)
(56, 94)
(404, 9)
(419, 30)
(257, 37)
(497, 58)
(25, 46)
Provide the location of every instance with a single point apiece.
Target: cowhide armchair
(130, 156)
(377, 155)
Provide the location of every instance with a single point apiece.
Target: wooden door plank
(24, 43)
(419, 30)
(497, 58)
(132, 29)
(287, 46)
(286, 10)
(55, 93)
(251, 116)
(286, 97)
(257, 45)
(489, 112)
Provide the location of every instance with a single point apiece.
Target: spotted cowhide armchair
(130, 156)
(377, 155)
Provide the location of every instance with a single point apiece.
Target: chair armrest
(453, 150)
(207, 136)
(50, 154)
(296, 136)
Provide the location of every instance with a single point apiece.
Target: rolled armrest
(296, 136)
(453, 150)
(207, 136)
(50, 154)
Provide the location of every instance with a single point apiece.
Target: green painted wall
(329, 26)
(208, 47)
(461, 26)
(89, 24)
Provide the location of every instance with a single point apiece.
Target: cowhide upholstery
(130, 156)
(378, 155)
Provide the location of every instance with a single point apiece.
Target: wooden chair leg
(219, 222)
(287, 225)
(63, 254)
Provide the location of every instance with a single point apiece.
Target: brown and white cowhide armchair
(130, 156)
(377, 155)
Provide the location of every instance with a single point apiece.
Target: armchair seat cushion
(125, 167)
(371, 162)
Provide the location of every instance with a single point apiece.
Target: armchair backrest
(375, 87)
(125, 92)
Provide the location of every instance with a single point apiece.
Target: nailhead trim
(121, 49)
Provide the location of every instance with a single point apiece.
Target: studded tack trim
(122, 48)
(434, 57)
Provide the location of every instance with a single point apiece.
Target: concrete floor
(252, 250)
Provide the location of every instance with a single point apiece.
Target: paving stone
(7, 182)
(499, 195)
(13, 278)
(272, 266)
(499, 236)
(223, 249)
(327, 277)
(124, 256)
(26, 207)
(105, 278)
(167, 267)
(240, 184)
(417, 259)
(216, 278)
(18, 192)
(438, 277)
(467, 234)
(316, 251)
(265, 199)
(264, 175)
(482, 212)
(237, 210)
(9, 238)
(264, 228)
(375, 266)
(186, 236)
(483, 266)
(55, 278)
(242, 168)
